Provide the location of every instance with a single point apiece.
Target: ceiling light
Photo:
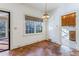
(45, 15)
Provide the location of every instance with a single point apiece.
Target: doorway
(4, 30)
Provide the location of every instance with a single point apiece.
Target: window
(33, 25)
(29, 26)
(38, 27)
(2, 29)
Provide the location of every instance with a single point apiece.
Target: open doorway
(4, 30)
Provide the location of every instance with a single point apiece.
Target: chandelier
(45, 15)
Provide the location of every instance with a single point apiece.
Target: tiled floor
(5, 53)
(43, 48)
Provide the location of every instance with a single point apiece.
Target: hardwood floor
(43, 48)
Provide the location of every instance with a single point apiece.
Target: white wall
(54, 23)
(18, 38)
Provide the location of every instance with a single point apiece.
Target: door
(4, 30)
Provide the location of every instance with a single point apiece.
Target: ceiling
(41, 6)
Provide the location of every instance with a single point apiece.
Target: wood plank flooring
(44, 48)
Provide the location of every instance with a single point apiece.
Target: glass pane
(38, 27)
(27, 26)
(30, 27)
(2, 29)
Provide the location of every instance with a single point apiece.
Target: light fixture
(45, 15)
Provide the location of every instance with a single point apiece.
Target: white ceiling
(41, 6)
